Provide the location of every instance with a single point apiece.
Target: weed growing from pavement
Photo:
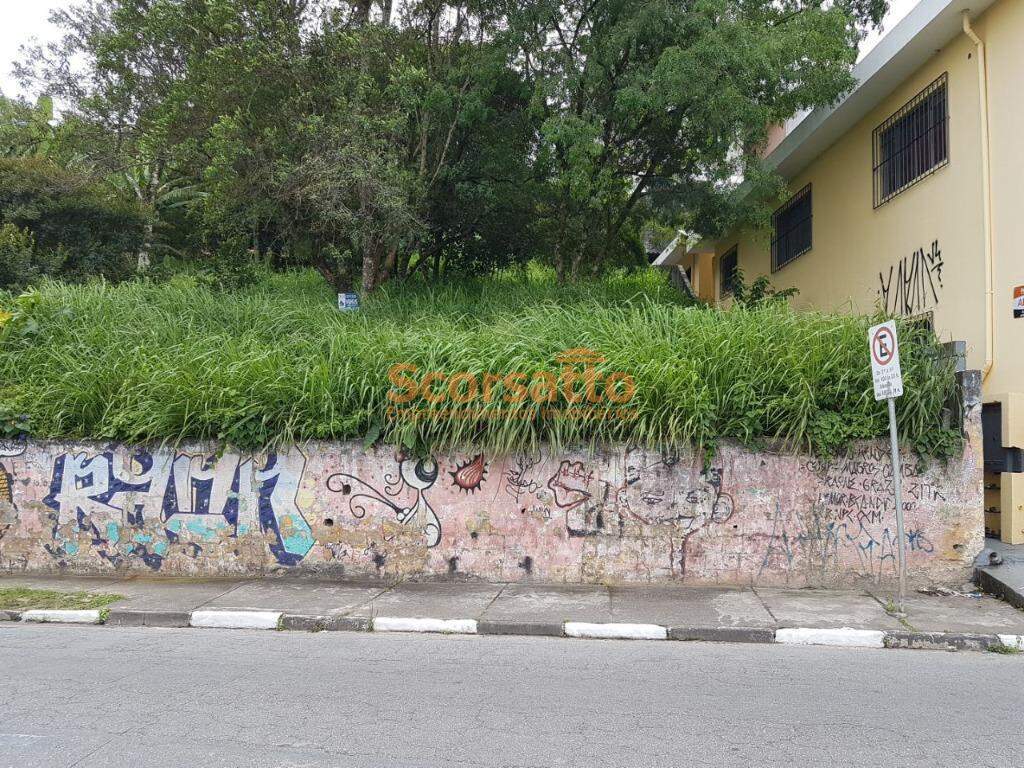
(1003, 648)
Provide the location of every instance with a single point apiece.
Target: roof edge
(929, 26)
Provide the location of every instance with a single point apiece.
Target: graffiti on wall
(193, 498)
(913, 284)
(854, 511)
(8, 449)
(629, 515)
(586, 499)
(647, 497)
(403, 495)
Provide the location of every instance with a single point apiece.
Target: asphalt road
(96, 696)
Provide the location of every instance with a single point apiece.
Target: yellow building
(907, 194)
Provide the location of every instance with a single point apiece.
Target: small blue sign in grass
(348, 302)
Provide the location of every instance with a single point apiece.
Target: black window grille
(727, 269)
(791, 229)
(912, 143)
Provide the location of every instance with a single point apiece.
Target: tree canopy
(378, 141)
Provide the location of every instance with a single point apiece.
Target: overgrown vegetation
(60, 223)
(277, 362)
(27, 599)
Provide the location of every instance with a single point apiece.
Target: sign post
(888, 381)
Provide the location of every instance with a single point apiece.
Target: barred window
(912, 143)
(791, 229)
(727, 270)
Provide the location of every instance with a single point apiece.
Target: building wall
(935, 230)
(935, 225)
(1002, 30)
(856, 248)
(619, 516)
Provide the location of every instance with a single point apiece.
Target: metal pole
(897, 484)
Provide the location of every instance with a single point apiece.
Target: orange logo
(576, 383)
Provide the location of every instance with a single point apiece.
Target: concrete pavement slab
(299, 596)
(178, 594)
(141, 594)
(962, 614)
(432, 600)
(815, 608)
(689, 606)
(548, 605)
(65, 583)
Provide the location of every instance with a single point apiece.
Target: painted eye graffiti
(470, 476)
(426, 471)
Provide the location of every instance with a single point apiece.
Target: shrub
(277, 362)
(16, 262)
(21, 263)
(94, 231)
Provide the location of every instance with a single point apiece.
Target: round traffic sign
(883, 346)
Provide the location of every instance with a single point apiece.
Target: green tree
(380, 141)
(666, 103)
(26, 130)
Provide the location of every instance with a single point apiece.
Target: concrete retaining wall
(752, 517)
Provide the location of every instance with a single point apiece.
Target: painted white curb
(235, 619)
(616, 631)
(1014, 641)
(62, 617)
(844, 636)
(445, 626)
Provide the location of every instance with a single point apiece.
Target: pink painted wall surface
(636, 516)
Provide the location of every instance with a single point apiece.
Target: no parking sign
(888, 379)
(885, 361)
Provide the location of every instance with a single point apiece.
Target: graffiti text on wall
(913, 285)
(201, 495)
(854, 509)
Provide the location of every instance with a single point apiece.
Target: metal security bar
(913, 143)
(791, 229)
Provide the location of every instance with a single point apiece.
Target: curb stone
(263, 619)
(300, 622)
(50, 616)
(443, 626)
(846, 637)
(723, 634)
(531, 628)
(614, 631)
(939, 641)
(128, 618)
(235, 619)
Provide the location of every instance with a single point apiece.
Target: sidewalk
(1005, 580)
(663, 612)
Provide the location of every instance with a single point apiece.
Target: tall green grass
(278, 363)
